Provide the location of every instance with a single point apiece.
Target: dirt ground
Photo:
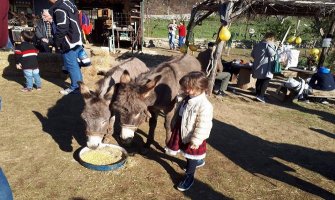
(256, 151)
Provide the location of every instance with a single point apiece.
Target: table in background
(16, 32)
(302, 73)
(244, 80)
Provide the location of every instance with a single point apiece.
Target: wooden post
(325, 49)
(219, 48)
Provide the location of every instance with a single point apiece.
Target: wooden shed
(117, 20)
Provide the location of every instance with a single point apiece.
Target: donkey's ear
(84, 90)
(109, 94)
(149, 86)
(125, 77)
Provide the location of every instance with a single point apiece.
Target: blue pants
(171, 40)
(72, 66)
(5, 191)
(181, 40)
(32, 75)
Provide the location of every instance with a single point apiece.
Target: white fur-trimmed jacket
(197, 119)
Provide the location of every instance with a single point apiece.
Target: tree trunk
(326, 49)
(218, 51)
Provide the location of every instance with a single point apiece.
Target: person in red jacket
(182, 33)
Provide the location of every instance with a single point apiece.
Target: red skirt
(175, 144)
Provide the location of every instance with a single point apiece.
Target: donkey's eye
(104, 122)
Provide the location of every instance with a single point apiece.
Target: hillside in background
(168, 7)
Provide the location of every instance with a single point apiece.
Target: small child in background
(26, 59)
(191, 126)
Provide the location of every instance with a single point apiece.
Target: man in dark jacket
(222, 76)
(67, 38)
(43, 33)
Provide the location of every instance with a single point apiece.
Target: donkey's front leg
(167, 125)
(152, 127)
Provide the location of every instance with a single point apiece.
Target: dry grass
(256, 151)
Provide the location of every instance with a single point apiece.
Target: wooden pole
(326, 49)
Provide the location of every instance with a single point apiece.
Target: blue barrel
(5, 191)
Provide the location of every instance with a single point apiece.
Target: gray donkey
(97, 114)
(137, 101)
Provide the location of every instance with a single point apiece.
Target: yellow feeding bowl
(105, 157)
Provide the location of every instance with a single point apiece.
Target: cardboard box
(104, 13)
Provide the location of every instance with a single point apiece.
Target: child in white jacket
(192, 125)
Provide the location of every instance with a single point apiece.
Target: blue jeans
(171, 40)
(72, 66)
(32, 75)
(181, 40)
(5, 191)
(9, 44)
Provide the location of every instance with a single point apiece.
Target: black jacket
(68, 32)
(26, 54)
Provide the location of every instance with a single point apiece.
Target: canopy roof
(320, 8)
(289, 7)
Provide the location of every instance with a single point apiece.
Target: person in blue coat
(323, 80)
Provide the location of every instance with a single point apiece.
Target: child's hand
(18, 66)
(194, 146)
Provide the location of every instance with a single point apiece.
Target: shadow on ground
(323, 132)
(199, 190)
(50, 66)
(63, 122)
(259, 156)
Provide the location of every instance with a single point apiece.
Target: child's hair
(269, 35)
(196, 80)
(27, 36)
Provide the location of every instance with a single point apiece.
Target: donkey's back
(167, 88)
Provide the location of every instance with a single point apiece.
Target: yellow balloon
(315, 51)
(224, 34)
(291, 39)
(298, 40)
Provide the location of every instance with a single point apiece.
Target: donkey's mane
(161, 69)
